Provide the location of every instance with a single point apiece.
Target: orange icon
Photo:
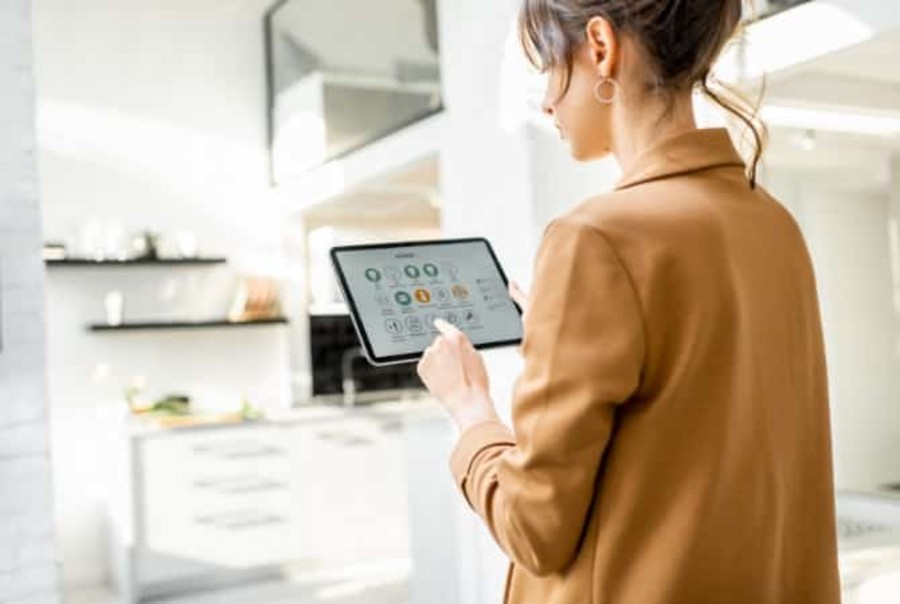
(423, 296)
(460, 291)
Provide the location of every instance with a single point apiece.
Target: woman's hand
(454, 372)
(518, 296)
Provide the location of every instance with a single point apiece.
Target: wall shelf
(179, 325)
(82, 262)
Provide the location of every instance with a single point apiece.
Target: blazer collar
(680, 154)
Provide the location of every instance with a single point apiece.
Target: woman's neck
(637, 129)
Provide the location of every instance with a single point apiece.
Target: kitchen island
(313, 489)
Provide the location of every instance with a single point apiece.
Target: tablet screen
(395, 291)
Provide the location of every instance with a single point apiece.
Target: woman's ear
(603, 44)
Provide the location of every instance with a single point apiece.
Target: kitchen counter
(200, 506)
(412, 406)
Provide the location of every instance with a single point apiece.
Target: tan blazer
(670, 440)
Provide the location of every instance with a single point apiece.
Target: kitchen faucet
(348, 384)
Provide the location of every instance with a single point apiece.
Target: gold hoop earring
(606, 100)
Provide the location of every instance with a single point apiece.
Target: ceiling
(865, 79)
(875, 60)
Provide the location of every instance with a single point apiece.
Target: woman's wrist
(477, 410)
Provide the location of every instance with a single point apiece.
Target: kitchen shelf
(82, 262)
(162, 325)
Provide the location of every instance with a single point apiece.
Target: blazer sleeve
(583, 349)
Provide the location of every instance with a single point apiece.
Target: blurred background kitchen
(185, 415)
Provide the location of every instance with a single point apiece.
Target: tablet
(394, 292)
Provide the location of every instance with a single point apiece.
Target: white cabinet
(354, 504)
(223, 497)
(202, 507)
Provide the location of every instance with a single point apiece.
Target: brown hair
(681, 38)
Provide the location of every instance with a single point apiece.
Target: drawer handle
(344, 438)
(236, 521)
(239, 485)
(238, 450)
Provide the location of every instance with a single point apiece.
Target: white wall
(485, 187)
(28, 558)
(502, 179)
(558, 181)
(151, 115)
(847, 231)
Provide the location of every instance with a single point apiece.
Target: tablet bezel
(354, 312)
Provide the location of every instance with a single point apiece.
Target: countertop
(411, 407)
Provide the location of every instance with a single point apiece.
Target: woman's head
(646, 54)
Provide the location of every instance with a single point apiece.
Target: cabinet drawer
(223, 464)
(235, 538)
(222, 496)
(219, 452)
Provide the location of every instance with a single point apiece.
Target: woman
(670, 439)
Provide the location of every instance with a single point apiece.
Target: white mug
(114, 302)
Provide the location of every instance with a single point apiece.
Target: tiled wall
(28, 559)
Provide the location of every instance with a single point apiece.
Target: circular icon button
(441, 294)
(393, 326)
(373, 275)
(414, 323)
(383, 299)
(470, 317)
(450, 268)
(392, 273)
(429, 320)
(430, 269)
(403, 298)
(412, 271)
(452, 318)
(422, 296)
(460, 291)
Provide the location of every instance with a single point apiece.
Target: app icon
(451, 268)
(392, 273)
(430, 269)
(429, 320)
(412, 271)
(441, 294)
(490, 286)
(373, 275)
(460, 291)
(423, 296)
(403, 298)
(452, 318)
(470, 317)
(414, 323)
(393, 326)
(383, 299)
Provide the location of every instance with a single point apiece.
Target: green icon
(430, 270)
(411, 271)
(403, 298)
(373, 275)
